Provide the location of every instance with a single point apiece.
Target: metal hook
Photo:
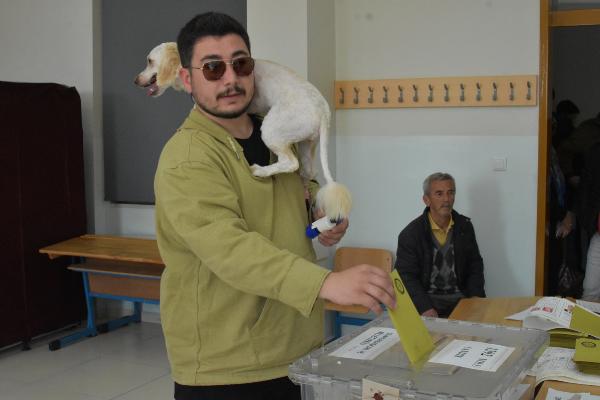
(495, 92)
(370, 99)
(400, 94)
(462, 92)
(430, 97)
(416, 95)
(355, 96)
(446, 93)
(342, 96)
(385, 94)
(478, 96)
(511, 96)
(528, 90)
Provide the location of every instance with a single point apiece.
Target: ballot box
(470, 361)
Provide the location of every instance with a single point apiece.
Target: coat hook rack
(473, 91)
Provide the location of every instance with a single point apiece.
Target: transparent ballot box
(336, 371)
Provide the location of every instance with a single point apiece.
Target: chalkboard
(135, 126)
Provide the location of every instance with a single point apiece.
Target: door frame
(548, 20)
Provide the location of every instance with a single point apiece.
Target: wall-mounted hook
(355, 96)
(416, 95)
(478, 95)
(446, 93)
(528, 97)
(430, 96)
(385, 94)
(511, 96)
(341, 96)
(400, 94)
(462, 92)
(370, 99)
(495, 91)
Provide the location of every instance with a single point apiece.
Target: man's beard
(229, 114)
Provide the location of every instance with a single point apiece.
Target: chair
(346, 257)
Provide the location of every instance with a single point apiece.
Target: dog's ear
(168, 70)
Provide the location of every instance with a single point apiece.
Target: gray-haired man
(438, 257)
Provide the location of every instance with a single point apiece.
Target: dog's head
(162, 70)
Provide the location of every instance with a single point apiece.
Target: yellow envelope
(413, 333)
(585, 321)
(587, 351)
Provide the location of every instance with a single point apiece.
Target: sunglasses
(214, 70)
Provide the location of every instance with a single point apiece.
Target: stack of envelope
(587, 355)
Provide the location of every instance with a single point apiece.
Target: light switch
(499, 163)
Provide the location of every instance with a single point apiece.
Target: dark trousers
(276, 389)
(444, 303)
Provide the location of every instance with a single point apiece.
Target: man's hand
(565, 226)
(430, 313)
(363, 285)
(335, 234)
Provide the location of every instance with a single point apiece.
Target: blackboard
(135, 126)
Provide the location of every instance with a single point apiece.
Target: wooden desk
(107, 248)
(112, 267)
(493, 311)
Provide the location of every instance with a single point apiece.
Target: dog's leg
(286, 162)
(278, 135)
(306, 153)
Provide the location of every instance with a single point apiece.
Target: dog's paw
(259, 171)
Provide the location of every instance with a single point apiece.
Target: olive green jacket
(238, 296)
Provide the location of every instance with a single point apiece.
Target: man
(438, 258)
(240, 294)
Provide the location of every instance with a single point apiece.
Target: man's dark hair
(207, 24)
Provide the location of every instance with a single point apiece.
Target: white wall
(384, 155)
(41, 42)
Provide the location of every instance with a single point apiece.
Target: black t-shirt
(255, 150)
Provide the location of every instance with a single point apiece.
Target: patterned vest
(443, 276)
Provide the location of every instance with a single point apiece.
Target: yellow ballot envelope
(413, 333)
(585, 321)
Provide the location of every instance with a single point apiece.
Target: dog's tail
(333, 198)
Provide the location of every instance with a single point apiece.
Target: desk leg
(90, 329)
(126, 320)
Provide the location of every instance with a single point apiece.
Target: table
(493, 311)
(112, 267)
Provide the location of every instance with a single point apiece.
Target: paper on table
(556, 363)
(520, 316)
(550, 312)
(590, 305)
(559, 395)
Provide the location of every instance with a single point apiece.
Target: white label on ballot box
(368, 344)
(473, 355)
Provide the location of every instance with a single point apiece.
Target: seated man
(438, 258)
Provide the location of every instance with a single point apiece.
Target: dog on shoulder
(294, 112)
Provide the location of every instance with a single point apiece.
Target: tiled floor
(125, 364)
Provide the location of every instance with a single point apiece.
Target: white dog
(294, 112)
